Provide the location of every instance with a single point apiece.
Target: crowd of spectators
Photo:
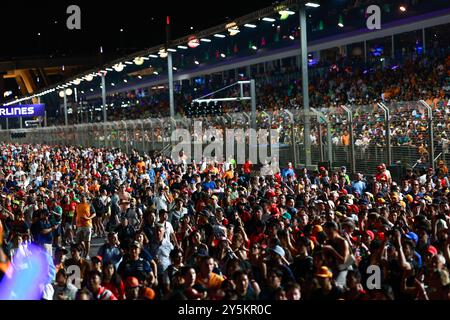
(172, 229)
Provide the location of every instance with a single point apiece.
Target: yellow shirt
(228, 175)
(83, 210)
(214, 283)
(141, 166)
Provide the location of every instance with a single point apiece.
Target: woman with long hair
(112, 281)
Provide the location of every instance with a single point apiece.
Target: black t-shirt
(20, 227)
(302, 267)
(333, 295)
(125, 235)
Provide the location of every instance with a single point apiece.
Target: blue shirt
(209, 185)
(288, 172)
(110, 254)
(359, 186)
(151, 174)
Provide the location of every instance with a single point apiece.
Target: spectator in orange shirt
(229, 174)
(141, 166)
(206, 277)
(84, 224)
(442, 167)
(345, 138)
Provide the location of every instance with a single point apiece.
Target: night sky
(143, 23)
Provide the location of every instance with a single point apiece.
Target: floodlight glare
(312, 4)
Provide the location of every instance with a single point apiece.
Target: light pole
(65, 109)
(105, 116)
(305, 87)
(305, 83)
(170, 70)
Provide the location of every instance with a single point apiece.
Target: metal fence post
(126, 136)
(352, 140)
(387, 117)
(143, 137)
(431, 131)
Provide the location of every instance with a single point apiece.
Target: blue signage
(24, 110)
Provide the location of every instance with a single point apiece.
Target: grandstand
(362, 127)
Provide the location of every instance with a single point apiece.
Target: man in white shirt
(169, 233)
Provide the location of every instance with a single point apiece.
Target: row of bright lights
(119, 67)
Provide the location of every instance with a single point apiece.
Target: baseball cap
(287, 216)
(270, 194)
(324, 272)
(412, 236)
(97, 259)
(148, 294)
(317, 229)
(132, 282)
(370, 234)
(278, 250)
(432, 250)
(136, 245)
(58, 210)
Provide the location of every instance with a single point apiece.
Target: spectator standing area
(150, 227)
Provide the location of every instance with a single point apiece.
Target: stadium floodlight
(174, 68)
(205, 40)
(125, 80)
(254, 47)
(118, 67)
(69, 92)
(285, 13)
(140, 77)
(163, 53)
(312, 4)
(139, 61)
(155, 72)
(233, 29)
(113, 84)
(223, 55)
(292, 37)
(249, 25)
(61, 94)
(218, 35)
(269, 19)
(402, 8)
(77, 82)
